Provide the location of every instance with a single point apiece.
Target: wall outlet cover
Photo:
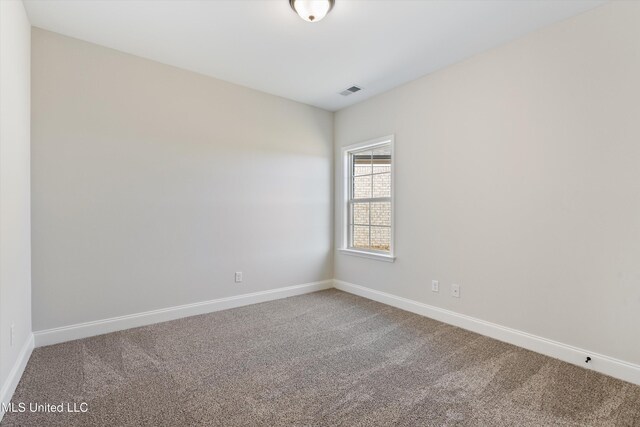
(455, 291)
(435, 286)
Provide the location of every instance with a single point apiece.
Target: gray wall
(15, 218)
(518, 177)
(153, 185)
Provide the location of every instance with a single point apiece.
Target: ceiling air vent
(350, 90)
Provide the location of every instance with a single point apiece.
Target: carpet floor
(322, 359)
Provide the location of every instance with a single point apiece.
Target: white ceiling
(262, 44)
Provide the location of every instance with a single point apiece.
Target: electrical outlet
(455, 291)
(11, 334)
(435, 286)
(238, 276)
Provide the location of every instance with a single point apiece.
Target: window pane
(382, 160)
(362, 163)
(382, 185)
(360, 237)
(381, 167)
(369, 178)
(360, 213)
(381, 213)
(362, 187)
(381, 238)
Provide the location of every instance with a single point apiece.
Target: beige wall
(153, 185)
(15, 218)
(518, 177)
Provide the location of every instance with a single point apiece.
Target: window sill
(370, 255)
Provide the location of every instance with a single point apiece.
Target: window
(368, 201)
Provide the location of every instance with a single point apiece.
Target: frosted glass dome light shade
(312, 10)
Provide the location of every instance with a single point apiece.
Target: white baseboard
(98, 327)
(15, 374)
(607, 365)
(604, 364)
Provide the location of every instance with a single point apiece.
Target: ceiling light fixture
(312, 10)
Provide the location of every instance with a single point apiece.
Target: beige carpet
(323, 359)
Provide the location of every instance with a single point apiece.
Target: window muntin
(369, 197)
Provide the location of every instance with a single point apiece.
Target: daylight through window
(369, 203)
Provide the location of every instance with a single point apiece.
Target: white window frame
(346, 166)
